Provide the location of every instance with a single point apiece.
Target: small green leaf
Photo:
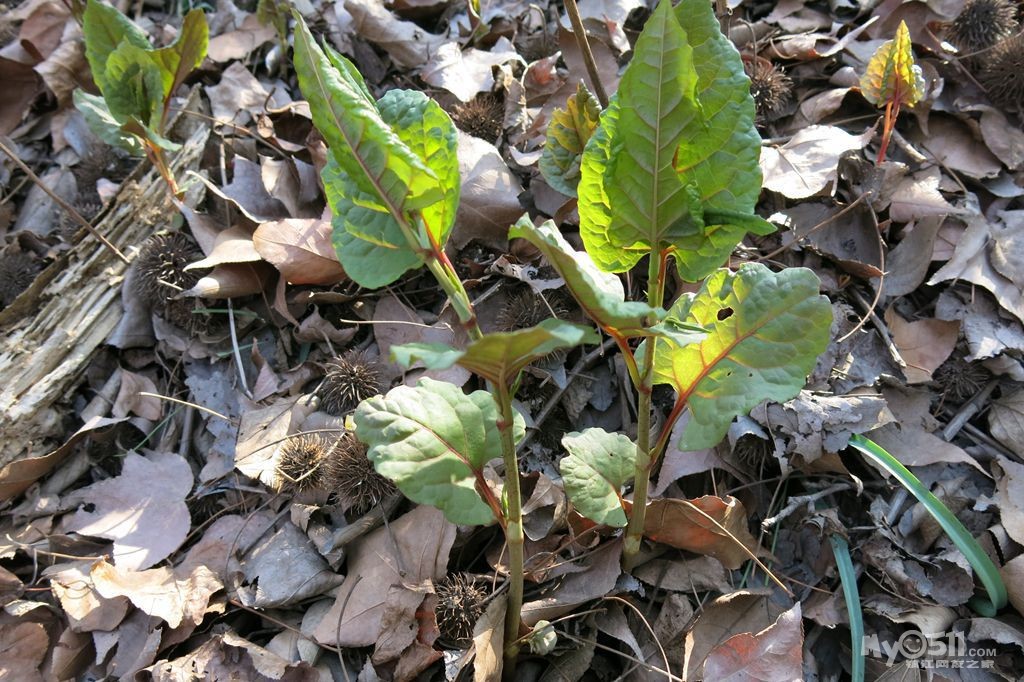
(765, 331)
(891, 74)
(433, 441)
(599, 294)
(567, 135)
(640, 202)
(500, 356)
(365, 147)
(180, 58)
(597, 466)
(135, 86)
(102, 124)
(104, 29)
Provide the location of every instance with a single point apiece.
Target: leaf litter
(157, 541)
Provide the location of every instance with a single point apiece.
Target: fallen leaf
(490, 195)
(396, 324)
(701, 574)
(971, 259)
(23, 647)
(917, 196)
(143, 510)
(284, 569)
(374, 565)
(172, 595)
(907, 264)
(1009, 492)
(407, 44)
(233, 245)
(989, 331)
(741, 611)
(129, 398)
(601, 572)
(247, 192)
(231, 280)
(301, 249)
(775, 654)
(923, 344)
(488, 641)
(240, 42)
(707, 525)
(1006, 419)
(807, 163)
(21, 86)
(464, 73)
(261, 434)
(230, 657)
(17, 476)
(955, 147)
(1013, 575)
(85, 607)
(1003, 138)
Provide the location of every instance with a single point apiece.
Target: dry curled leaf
(300, 249)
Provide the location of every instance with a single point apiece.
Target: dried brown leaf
(301, 249)
(923, 344)
(172, 595)
(143, 510)
(774, 654)
(685, 524)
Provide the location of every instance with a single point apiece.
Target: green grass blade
(979, 560)
(848, 578)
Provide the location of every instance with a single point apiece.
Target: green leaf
(765, 332)
(135, 86)
(433, 442)
(426, 128)
(180, 58)
(104, 29)
(567, 135)
(641, 203)
(102, 124)
(370, 153)
(987, 571)
(369, 241)
(599, 294)
(597, 466)
(501, 356)
(891, 75)
(720, 155)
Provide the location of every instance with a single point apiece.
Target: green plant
(961, 537)
(136, 80)
(669, 173)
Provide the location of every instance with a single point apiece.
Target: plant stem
(513, 531)
(656, 274)
(580, 33)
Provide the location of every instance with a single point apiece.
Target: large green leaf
(720, 152)
(765, 332)
(593, 473)
(433, 441)
(501, 356)
(426, 128)
(368, 239)
(370, 153)
(641, 203)
(567, 135)
(135, 86)
(600, 294)
(104, 28)
(177, 60)
(102, 124)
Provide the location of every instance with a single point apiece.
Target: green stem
(513, 531)
(656, 273)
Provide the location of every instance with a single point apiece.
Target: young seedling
(671, 173)
(136, 81)
(393, 185)
(892, 80)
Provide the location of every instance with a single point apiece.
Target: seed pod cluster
(986, 32)
(349, 380)
(461, 600)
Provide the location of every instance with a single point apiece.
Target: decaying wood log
(52, 330)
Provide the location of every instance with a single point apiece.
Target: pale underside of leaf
(597, 466)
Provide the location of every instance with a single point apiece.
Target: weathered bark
(52, 330)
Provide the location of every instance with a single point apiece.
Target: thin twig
(580, 33)
(63, 204)
(801, 500)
